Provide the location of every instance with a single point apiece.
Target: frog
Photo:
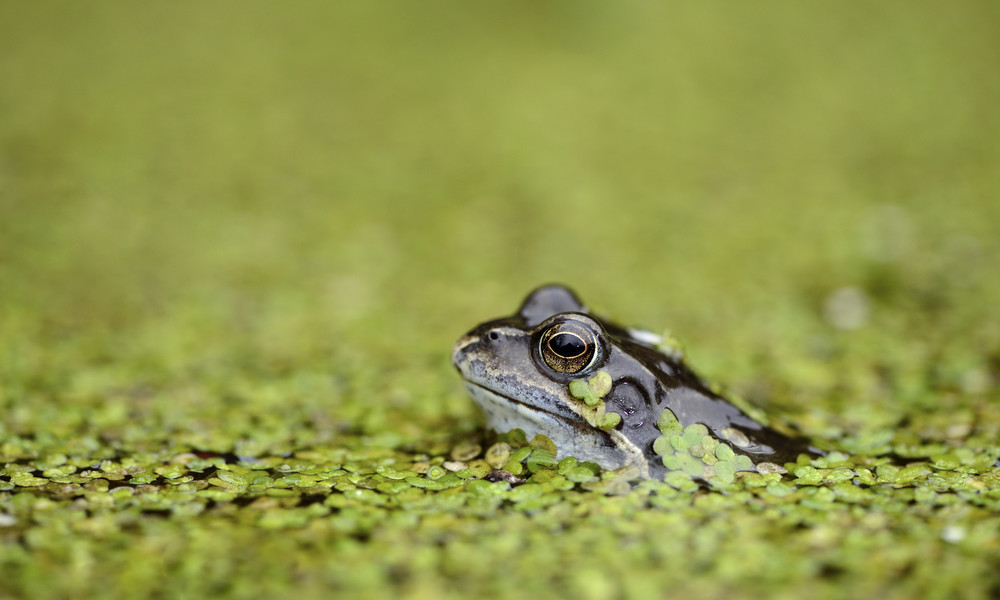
(613, 395)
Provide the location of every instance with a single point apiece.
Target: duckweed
(590, 392)
(539, 459)
(498, 454)
(697, 453)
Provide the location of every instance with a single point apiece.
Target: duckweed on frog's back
(609, 394)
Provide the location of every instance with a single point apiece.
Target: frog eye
(568, 347)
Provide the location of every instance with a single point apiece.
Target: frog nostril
(494, 336)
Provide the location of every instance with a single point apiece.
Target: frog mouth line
(563, 418)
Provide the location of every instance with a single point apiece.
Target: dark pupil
(567, 345)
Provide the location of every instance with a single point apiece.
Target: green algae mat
(237, 242)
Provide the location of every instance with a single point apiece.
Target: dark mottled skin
(646, 381)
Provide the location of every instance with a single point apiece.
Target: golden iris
(568, 347)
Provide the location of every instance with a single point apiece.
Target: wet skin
(518, 369)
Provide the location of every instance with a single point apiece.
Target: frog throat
(572, 438)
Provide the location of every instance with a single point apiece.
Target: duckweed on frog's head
(608, 394)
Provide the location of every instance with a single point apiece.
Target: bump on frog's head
(547, 301)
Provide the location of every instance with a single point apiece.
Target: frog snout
(461, 349)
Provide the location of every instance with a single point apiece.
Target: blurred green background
(209, 211)
(367, 182)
